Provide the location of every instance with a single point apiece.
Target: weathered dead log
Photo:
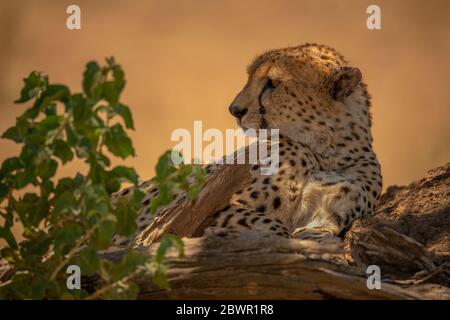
(391, 247)
(188, 219)
(254, 265)
(408, 238)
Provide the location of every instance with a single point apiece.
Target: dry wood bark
(254, 265)
(188, 219)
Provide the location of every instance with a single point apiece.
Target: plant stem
(97, 294)
(73, 252)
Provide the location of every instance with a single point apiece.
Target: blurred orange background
(185, 61)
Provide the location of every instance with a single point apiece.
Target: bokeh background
(185, 60)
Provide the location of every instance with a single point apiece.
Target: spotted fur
(329, 174)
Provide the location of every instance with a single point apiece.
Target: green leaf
(125, 113)
(163, 198)
(110, 92)
(10, 165)
(103, 236)
(13, 134)
(34, 248)
(83, 148)
(118, 143)
(102, 160)
(33, 149)
(51, 94)
(39, 287)
(88, 261)
(34, 83)
(95, 201)
(133, 261)
(47, 187)
(138, 197)
(7, 253)
(126, 220)
(194, 192)
(65, 184)
(119, 174)
(92, 79)
(177, 243)
(168, 241)
(66, 237)
(49, 125)
(46, 168)
(65, 203)
(32, 209)
(81, 114)
(124, 174)
(165, 166)
(4, 190)
(62, 151)
(23, 178)
(160, 278)
(119, 76)
(9, 237)
(74, 100)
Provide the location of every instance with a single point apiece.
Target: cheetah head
(308, 92)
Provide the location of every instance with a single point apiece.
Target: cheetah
(328, 173)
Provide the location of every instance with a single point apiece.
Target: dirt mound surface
(419, 211)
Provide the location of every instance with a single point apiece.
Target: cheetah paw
(320, 235)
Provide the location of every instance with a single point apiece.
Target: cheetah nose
(238, 111)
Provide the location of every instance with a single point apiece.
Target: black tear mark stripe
(269, 86)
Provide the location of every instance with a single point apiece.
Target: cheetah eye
(270, 86)
(267, 90)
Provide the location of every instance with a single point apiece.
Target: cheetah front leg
(237, 217)
(330, 203)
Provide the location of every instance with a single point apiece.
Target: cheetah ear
(344, 81)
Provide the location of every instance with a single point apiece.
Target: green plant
(67, 221)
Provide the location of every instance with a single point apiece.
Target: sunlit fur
(329, 174)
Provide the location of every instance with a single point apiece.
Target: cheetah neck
(350, 141)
